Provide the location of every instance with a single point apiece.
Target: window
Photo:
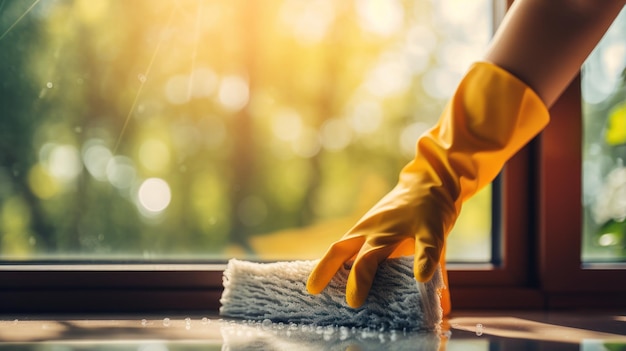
(604, 148)
(202, 130)
(138, 156)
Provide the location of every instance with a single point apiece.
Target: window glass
(150, 130)
(604, 147)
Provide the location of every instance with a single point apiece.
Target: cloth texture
(277, 292)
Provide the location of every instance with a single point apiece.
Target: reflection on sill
(604, 266)
(529, 331)
(473, 266)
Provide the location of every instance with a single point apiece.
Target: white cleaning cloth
(277, 292)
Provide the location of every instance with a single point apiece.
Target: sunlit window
(210, 129)
(604, 147)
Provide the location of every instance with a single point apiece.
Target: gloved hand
(490, 117)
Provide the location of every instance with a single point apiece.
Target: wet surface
(464, 331)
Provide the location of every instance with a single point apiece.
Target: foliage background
(200, 129)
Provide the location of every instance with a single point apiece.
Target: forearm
(544, 42)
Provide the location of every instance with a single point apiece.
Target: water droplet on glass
(142, 78)
(166, 322)
(49, 85)
(479, 329)
(187, 320)
(267, 324)
(144, 322)
(205, 320)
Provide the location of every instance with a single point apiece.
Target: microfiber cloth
(277, 292)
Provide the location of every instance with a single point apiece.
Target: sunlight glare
(459, 12)
(308, 20)
(382, 17)
(90, 11)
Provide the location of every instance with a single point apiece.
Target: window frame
(566, 279)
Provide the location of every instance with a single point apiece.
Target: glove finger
(333, 260)
(363, 272)
(427, 256)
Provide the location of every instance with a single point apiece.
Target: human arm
(545, 42)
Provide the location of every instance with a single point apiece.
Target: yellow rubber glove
(490, 117)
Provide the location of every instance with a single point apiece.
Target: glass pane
(604, 147)
(205, 129)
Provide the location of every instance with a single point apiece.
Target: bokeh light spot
(308, 20)
(120, 172)
(308, 144)
(41, 183)
(390, 77)
(234, 93)
(154, 195)
(335, 134)
(287, 125)
(64, 163)
(383, 17)
(203, 82)
(177, 89)
(366, 117)
(96, 156)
